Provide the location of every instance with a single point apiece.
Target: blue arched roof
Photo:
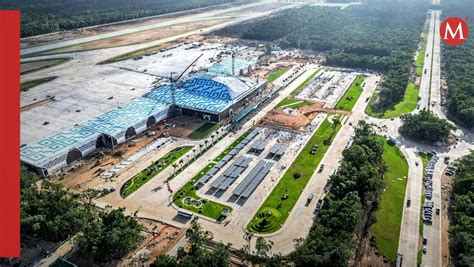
(207, 87)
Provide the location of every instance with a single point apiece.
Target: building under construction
(209, 98)
(214, 99)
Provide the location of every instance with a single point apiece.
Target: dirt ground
(153, 246)
(370, 257)
(90, 31)
(141, 37)
(212, 39)
(84, 173)
(296, 120)
(185, 125)
(446, 185)
(148, 249)
(31, 248)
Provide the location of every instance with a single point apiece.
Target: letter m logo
(454, 31)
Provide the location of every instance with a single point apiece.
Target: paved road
(436, 70)
(433, 232)
(300, 220)
(433, 256)
(409, 232)
(426, 74)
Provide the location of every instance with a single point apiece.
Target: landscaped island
(151, 171)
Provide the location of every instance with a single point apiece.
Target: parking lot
(328, 86)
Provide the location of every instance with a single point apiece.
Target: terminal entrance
(73, 155)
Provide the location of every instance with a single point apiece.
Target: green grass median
(293, 103)
(276, 74)
(25, 86)
(407, 105)
(349, 98)
(388, 216)
(277, 207)
(151, 171)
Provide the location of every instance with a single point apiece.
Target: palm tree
(206, 141)
(212, 138)
(194, 152)
(187, 155)
(200, 148)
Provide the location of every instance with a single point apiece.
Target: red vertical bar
(10, 134)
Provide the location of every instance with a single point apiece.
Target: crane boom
(182, 73)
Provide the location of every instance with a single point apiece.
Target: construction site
(201, 126)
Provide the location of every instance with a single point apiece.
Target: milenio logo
(454, 31)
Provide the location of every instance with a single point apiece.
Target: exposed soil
(292, 118)
(141, 37)
(157, 239)
(370, 256)
(184, 126)
(84, 173)
(90, 31)
(153, 245)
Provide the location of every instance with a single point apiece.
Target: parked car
(321, 168)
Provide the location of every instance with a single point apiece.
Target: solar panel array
(206, 177)
(232, 173)
(253, 179)
(277, 151)
(258, 146)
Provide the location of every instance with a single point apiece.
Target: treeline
(460, 65)
(425, 126)
(51, 213)
(353, 194)
(461, 211)
(380, 36)
(45, 16)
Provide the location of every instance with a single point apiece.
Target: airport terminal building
(209, 98)
(214, 99)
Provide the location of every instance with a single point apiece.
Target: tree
(197, 237)
(195, 254)
(425, 126)
(50, 212)
(380, 36)
(461, 211)
(109, 236)
(459, 67)
(165, 261)
(263, 247)
(41, 17)
(353, 191)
